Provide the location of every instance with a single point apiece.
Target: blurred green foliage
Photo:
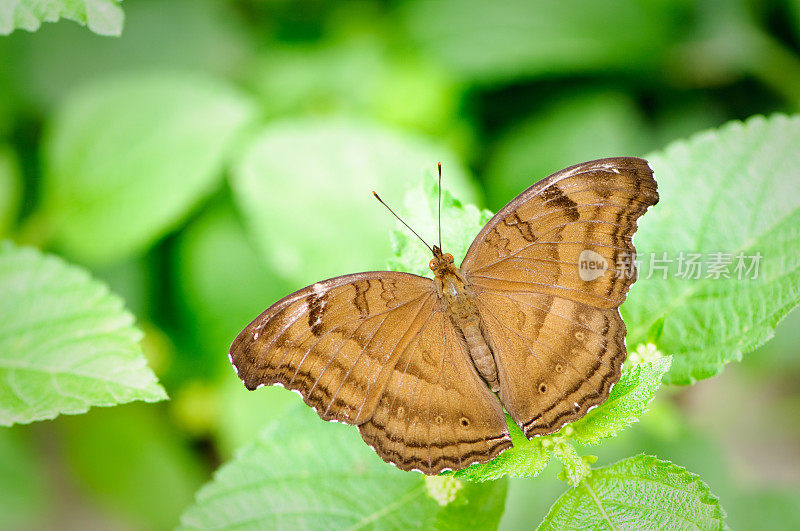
(115, 153)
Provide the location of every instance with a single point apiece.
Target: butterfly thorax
(458, 300)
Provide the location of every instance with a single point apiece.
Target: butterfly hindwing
(436, 413)
(556, 358)
(555, 331)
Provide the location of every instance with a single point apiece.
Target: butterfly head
(440, 261)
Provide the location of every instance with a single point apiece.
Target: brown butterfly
(531, 317)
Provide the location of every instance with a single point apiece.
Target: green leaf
(571, 129)
(66, 343)
(10, 188)
(304, 189)
(640, 492)
(302, 472)
(129, 157)
(731, 190)
(103, 17)
(525, 459)
(628, 400)
(493, 41)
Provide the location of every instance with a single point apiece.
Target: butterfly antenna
(401, 220)
(440, 205)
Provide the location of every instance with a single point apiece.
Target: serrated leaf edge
(715, 367)
(705, 496)
(126, 319)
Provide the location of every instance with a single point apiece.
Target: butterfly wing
(336, 341)
(557, 336)
(373, 349)
(436, 412)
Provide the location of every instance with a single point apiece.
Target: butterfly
(529, 322)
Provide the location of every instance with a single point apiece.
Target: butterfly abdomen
(481, 355)
(460, 304)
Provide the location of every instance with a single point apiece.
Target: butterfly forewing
(535, 242)
(555, 330)
(335, 341)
